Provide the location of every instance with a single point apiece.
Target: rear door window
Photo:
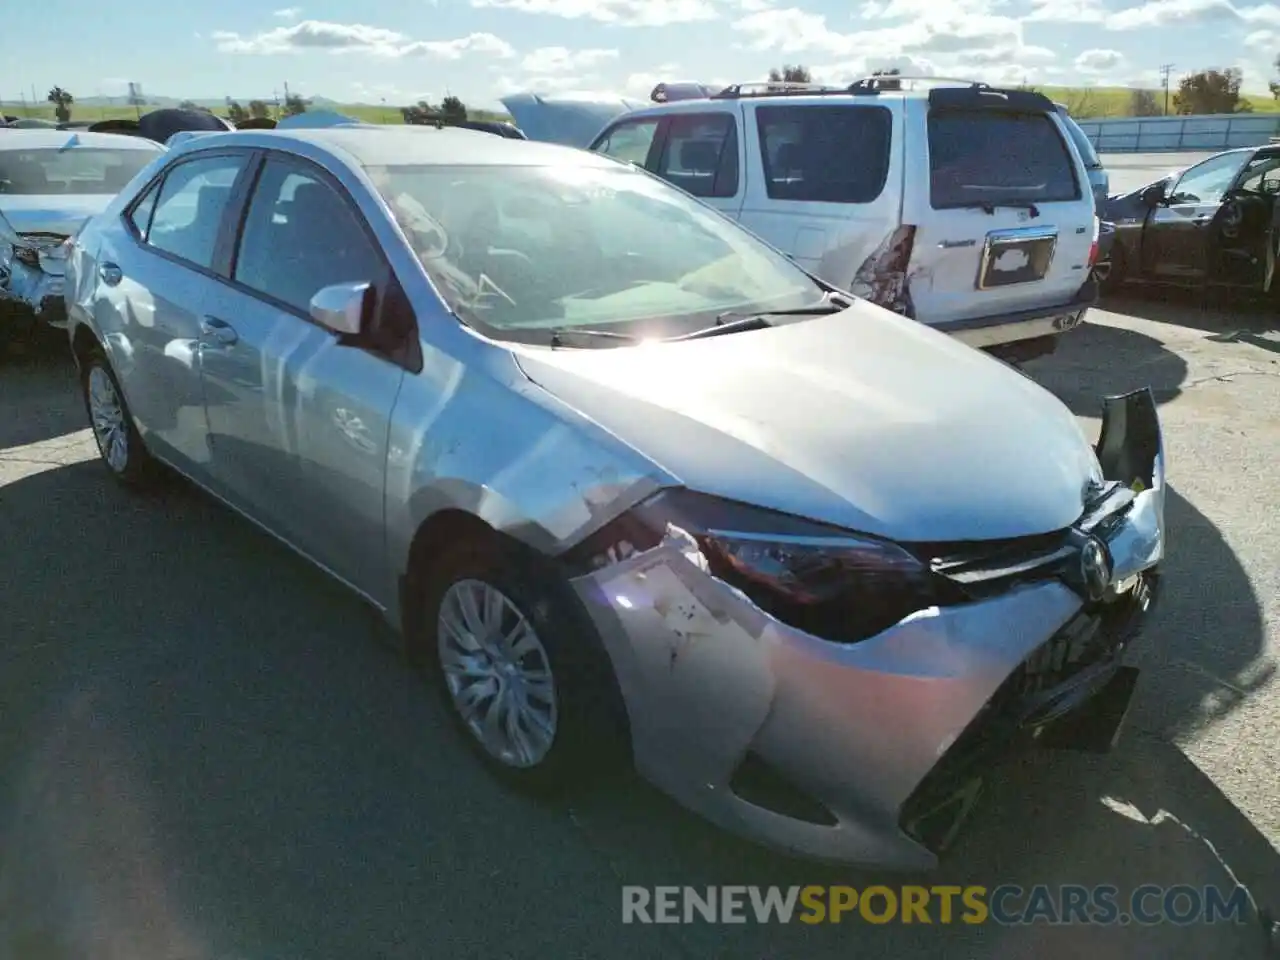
(989, 156)
(193, 199)
(825, 154)
(701, 154)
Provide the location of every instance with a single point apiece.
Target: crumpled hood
(861, 419)
(54, 213)
(572, 121)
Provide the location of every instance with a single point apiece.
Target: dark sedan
(1213, 223)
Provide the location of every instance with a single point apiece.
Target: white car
(51, 182)
(964, 207)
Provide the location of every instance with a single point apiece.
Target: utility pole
(1165, 69)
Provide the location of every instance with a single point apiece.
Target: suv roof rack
(774, 88)
(893, 81)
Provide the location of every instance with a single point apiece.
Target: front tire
(119, 444)
(520, 667)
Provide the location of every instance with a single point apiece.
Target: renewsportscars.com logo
(1007, 905)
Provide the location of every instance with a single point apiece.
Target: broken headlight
(828, 582)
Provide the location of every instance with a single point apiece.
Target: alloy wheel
(498, 673)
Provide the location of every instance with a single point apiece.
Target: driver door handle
(217, 330)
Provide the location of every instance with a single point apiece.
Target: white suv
(965, 207)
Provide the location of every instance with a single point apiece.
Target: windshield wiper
(759, 321)
(989, 208)
(560, 335)
(828, 304)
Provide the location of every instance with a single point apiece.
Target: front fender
(480, 438)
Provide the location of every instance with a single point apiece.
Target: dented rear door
(1001, 204)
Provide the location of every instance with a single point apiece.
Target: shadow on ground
(210, 752)
(39, 396)
(1097, 360)
(1222, 312)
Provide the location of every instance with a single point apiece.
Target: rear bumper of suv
(1024, 324)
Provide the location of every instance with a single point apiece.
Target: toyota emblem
(1095, 569)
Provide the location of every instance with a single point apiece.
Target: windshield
(78, 170)
(521, 251)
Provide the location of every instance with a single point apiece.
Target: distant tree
(453, 110)
(62, 101)
(188, 105)
(236, 113)
(258, 109)
(1143, 103)
(1082, 103)
(1210, 91)
(888, 84)
(1275, 87)
(421, 113)
(790, 74)
(295, 104)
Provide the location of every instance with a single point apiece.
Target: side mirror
(344, 308)
(1153, 196)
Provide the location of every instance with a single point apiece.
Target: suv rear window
(994, 156)
(825, 154)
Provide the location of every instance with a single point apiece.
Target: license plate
(1015, 258)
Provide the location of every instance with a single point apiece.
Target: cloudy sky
(403, 50)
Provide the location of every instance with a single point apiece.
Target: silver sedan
(631, 483)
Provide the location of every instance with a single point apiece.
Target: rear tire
(520, 667)
(119, 444)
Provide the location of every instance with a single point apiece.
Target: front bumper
(852, 752)
(37, 295)
(1024, 324)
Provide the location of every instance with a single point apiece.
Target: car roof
(373, 145)
(58, 139)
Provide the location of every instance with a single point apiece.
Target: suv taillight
(1093, 247)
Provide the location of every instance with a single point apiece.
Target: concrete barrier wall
(1163, 134)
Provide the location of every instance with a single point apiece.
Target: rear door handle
(110, 274)
(218, 331)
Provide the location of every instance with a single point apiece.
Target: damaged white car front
(51, 183)
(32, 268)
(844, 697)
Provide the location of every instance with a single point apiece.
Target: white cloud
(642, 82)
(314, 35)
(1066, 11)
(356, 37)
(1263, 40)
(479, 43)
(1099, 61)
(562, 60)
(628, 13)
(923, 45)
(1164, 13)
(791, 30)
(288, 13)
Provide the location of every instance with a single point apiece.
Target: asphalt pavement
(1129, 171)
(210, 751)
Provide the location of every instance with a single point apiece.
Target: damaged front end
(842, 697)
(32, 270)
